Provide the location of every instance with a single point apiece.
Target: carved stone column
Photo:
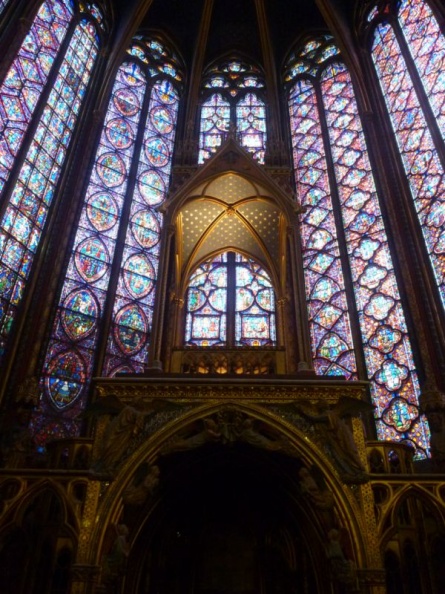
(84, 578)
(432, 404)
(372, 580)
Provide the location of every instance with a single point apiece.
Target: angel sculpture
(127, 423)
(211, 432)
(338, 435)
(144, 484)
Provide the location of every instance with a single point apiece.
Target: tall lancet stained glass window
(408, 51)
(230, 302)
(336, 186)
(43, 90)
(103, 320)
(233, 100)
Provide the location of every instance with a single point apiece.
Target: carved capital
(371, 577)
(85, 573)
(178, 301)
(98, 116)
(282, 302)
(431, 398)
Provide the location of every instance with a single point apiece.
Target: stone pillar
(372, 581)
(432, 404)
(84, 578)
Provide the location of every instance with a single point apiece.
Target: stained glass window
(237, 105)
(3, 4)
(37, 168)
(206, 321)
(333, 174)
(230, 302)
(108, 292)
(330, 328)
(251, 125)
(215, 122)
(422, 45)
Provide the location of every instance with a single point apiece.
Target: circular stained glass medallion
(131, 329)
(131, 75)
(79, 314)
(139, 275)
(152, 187)
(157, 152)
(102, 211)
(162, 119)
(91, 259)
(126, 102)
(145, 228)
(111, 169)
(166, 92)
(119, 133)
(66, 374)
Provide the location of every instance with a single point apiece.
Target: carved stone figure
(250, 435)
(322, 499)
(227, 427)
(142, 487)
(210, 433)
(123, 428)
(115, 560)
(338, 436)
(118, 435)
(342, 568)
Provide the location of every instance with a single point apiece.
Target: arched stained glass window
(230, 302)
(108, 293)
(251, 125)
(44, 86)
(215, 122)
(334, 175)
(408, 50)
(237, 104)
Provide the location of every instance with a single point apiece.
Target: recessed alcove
(227, 519)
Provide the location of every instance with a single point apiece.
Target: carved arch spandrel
(347, 507)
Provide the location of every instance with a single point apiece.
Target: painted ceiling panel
(231, 188)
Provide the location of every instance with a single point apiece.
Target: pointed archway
(230, 485)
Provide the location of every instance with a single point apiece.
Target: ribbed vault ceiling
(229, 212)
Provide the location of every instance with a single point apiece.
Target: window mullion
(231, 298)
